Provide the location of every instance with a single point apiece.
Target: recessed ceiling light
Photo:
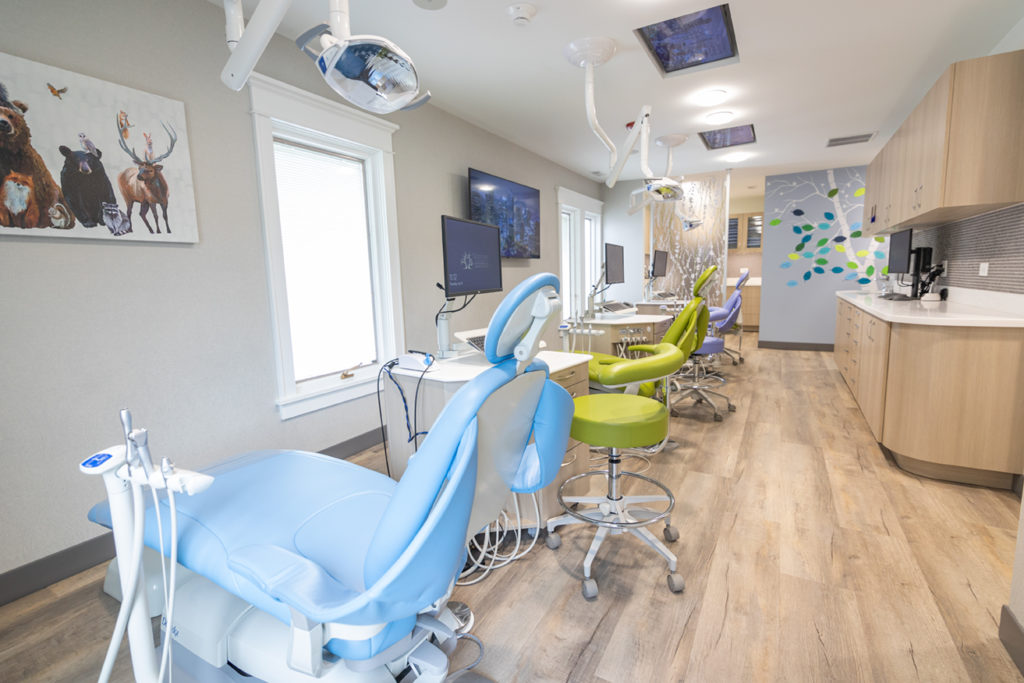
(737, 157)
(709, 97)
(718, 118)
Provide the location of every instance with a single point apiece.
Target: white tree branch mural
(819, 209)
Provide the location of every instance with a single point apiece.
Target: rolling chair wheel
(735, 362)
(741, 359)
(676, 583)
(718, 417)
(698, 401)
(732, 408)
(671, 534)
(590, 589)
(554, 541)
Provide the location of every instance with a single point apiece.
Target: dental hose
(128, 590)
(166, 656)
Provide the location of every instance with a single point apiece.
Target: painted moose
(145, 184)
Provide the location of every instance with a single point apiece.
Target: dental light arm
(592, 117)
(641, 131)
(247, 42)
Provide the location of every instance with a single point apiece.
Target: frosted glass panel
(322, 199)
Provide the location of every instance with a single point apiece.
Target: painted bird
(55, 91)
(87, 144)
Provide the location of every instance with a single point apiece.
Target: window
(745, 231)
(582, 240)
(326, 188)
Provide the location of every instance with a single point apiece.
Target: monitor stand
(444, 332)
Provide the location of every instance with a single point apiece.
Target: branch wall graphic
(819, 207)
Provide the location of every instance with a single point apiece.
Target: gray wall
(810, 241)
(182, 334)
(628, 231)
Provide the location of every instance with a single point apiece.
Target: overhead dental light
(368, 71)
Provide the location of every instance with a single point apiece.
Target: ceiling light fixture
(718, 118)
(368, 71)
(737, 157)
(709, 97)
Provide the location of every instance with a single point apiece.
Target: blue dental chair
(304, 567)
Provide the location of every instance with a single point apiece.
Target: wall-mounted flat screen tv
(512, 208)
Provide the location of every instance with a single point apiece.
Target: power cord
(487, 556)
(466, 301)
(386, 367)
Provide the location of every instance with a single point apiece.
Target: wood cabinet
(750, 310)
(958, 154)
(746, 231)
(861, 354)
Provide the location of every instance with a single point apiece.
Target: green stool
(616, 422)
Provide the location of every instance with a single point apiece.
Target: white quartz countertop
(944, 313)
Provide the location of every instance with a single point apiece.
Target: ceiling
(807, 71)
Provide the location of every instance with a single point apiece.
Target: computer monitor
(660, 264)
(899, 252)
(472, 257)
(614, 266)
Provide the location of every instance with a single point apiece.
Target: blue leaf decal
(798, 212)
(824, 226)
(805, 239)
(819, 270)
(787, 264)
(837, 269)
(850, 276)
(830, 216)
(807, 275)
(797, 230)
(839, 238)
(864, 281)
(791, 283)
(879, 254)
(824, 250)
(855, 226)
(808, 254)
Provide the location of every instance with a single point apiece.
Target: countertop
(941, 313)
(469, 364)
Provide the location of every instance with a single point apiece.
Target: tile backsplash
(996, 238)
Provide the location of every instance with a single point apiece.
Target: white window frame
(576, 261)
(281, 110)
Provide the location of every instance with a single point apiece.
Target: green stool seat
(619, 420)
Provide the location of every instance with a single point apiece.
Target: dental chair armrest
(716, 313)
(644, 348)
(293, 580)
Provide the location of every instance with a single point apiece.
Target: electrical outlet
(983, 269)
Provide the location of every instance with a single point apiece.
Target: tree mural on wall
(691, 251)
(829, 243)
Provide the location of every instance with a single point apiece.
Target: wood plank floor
(808, 556)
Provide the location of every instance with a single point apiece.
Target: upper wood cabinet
(958, 154)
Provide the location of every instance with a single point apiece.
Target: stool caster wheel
(676, 583)
(732, 408)
(697, 401)
(554, 541)
(590, 588)
(741, 359)
(735, 362)
(671, 533)
(718, 417)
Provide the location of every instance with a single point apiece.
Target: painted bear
(86, 185)
(18, 156)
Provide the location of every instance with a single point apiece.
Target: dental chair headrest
(521, 318)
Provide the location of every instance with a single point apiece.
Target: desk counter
(941, 385)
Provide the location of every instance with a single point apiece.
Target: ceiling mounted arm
(592, 116)
(247, 42)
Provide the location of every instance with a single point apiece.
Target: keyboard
(615, 306)
(477, 342)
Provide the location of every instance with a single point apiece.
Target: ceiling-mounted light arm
(247, 42)
(640, 131)
(592, 116)
(337, 19)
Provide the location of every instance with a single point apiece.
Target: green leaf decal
(833, 192)
(774, 221)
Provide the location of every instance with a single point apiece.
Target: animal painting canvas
(82, 157)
